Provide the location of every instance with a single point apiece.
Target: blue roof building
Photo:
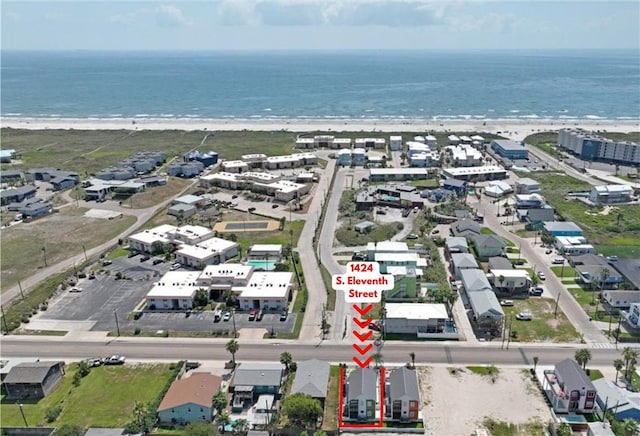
(509, 149)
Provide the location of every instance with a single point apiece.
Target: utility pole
(115, 314)
(555, 314)
(85, 253)
(20, 287)
(618, 331)
(233, 318)
(4, 320)
(509, 337)
(44, 254)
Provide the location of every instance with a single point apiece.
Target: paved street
(213, 349)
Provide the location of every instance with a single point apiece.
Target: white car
(506, 303)
(75, 289)
(541, 275)
(226, 316)
(524, 316)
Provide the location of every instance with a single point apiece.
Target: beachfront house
(361, 395)
(568, 388)
(402, 396)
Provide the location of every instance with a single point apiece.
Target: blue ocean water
(321, 85)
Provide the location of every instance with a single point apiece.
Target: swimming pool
(267, 265)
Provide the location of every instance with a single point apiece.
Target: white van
(524, 316)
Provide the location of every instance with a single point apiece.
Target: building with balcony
(568, 388)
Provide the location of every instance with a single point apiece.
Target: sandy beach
(514, 128)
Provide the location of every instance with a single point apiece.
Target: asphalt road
(397, 353)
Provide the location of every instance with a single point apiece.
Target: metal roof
(312, 378)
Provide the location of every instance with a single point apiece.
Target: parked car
(252, 314)
(96, 361)
(506, 303)
(274, 206)
(558, 261)
(108, 262)
(375, 326)
(217, 315)
(412, 236)
(519, 262)
(548, 252)
(536, 292)
(157, 261)
(75, 289)
(359, 256)
(260, 315)
(612, 258)
(116, 359)
(145, 258)
(226, 316)
(175, 266)
(234, 196)
(381, 212)
(435, 232)
(541, 275)
(283, 315)
(524, 316)
(132, 254)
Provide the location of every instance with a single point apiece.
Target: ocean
(383, 85)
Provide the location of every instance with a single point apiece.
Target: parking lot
(105, 297)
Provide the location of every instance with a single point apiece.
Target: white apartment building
(210, 252)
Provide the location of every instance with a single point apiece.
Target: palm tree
(583, 356)
(501, 280)
(286, 359)
(630, 358)
(412, 355)
(232, 347)
(630, 427)
(377, 358)
(618, 364)
(223, 420)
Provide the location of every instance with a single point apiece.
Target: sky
(319, 25)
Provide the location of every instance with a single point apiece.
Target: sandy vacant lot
(456, 404)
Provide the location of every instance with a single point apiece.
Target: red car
(252, 314)
(375, 326)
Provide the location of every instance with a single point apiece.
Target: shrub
(52, 413)
(136, 331)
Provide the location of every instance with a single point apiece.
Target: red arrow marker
(364, 311)
(362, 364)
(363, 337)
(362, 324)
(364, 350)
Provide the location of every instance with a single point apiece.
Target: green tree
(564, 429)
(219, 401)
(232, 347)
(302, 410)
(286, 359)
(200, 429)
(69, 430)
(201, 298)
(83, 368)
(583, 356)
(281, 267)
(618, 364)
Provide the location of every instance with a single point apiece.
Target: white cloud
(170, 16)
(277, 13)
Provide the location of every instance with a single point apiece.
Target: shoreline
(515, 127)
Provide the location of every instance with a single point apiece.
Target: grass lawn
(282, 237)
(105, 397)
(425, 184)
(594, 374)
(584, 298)
(330, 420)
(544, 326)
(331, 293)
(118, 252)
(62, 234)
(380, 232)
(564, 272)
(479, 370)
